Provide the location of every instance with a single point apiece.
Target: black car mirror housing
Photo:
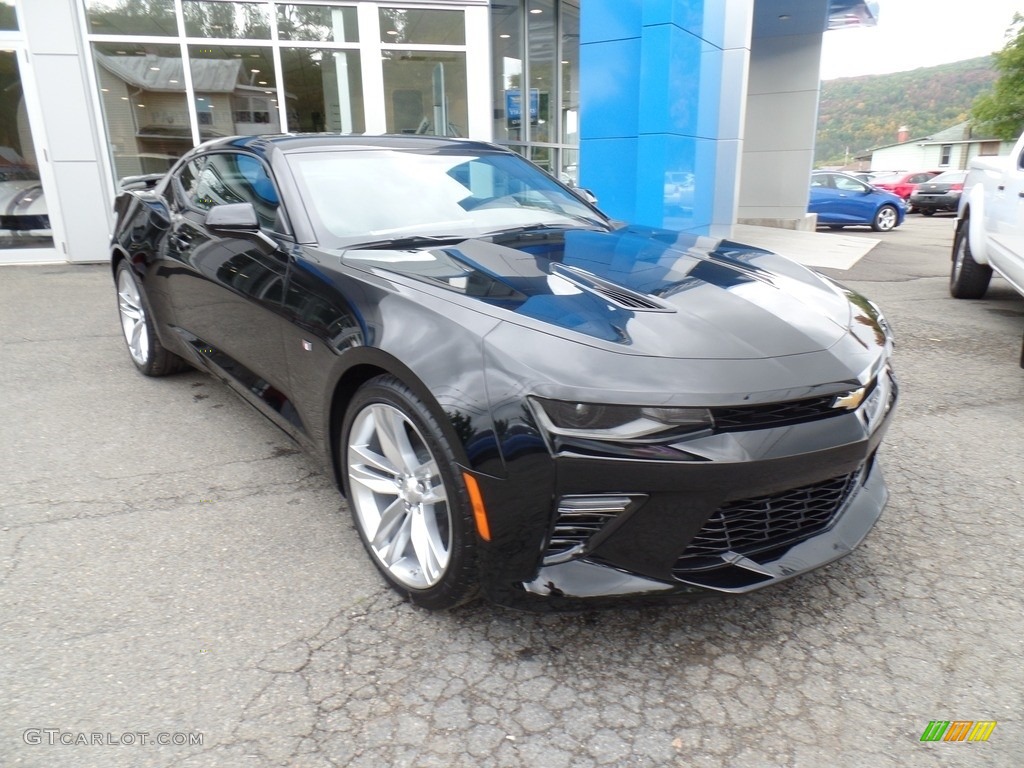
(238, 220)
(232, 219)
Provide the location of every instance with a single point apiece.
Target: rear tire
(408, 501)
(927, 212)
(137, 326)
(968, 279)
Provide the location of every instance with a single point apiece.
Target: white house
(948, 150)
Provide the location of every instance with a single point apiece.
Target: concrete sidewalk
(812, 249)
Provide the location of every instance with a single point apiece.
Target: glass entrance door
(25, 233)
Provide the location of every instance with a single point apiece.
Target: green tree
(1001, 110)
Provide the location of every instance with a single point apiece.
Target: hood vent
(609, 291)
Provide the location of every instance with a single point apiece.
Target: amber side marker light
(479, 514)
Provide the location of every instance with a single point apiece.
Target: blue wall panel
(611, 19)
(613, 164)
(688, 16)
(610, 108)
(651, 76)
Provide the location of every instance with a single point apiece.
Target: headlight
(595, 421)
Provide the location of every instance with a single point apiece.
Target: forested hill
(861, 112)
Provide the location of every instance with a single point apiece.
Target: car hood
(646, 291)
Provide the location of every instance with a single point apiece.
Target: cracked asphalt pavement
(172, 565)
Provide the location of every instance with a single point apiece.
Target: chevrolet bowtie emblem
(851, 400)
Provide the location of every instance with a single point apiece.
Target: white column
(80, 197)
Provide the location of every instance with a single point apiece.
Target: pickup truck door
(1006, 219)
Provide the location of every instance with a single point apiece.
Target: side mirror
(586, 194)
(238, 220)
(232, 219)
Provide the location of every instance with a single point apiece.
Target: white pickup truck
(990, 225)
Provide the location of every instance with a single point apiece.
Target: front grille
(751, 526)
(778, 414)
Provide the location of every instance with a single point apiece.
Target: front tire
(927, 211)
(968, 279)
(409, 503)
(144, 347)
(885, 218)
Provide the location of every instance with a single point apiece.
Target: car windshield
(950, 177)
(373, 195)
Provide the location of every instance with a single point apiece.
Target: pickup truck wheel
(968, 279)
(885, 219)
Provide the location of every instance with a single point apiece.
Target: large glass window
(535, 45)
(131, 17)
(400, 25)
(237, 21)
(8, 18)
(267, 66)
(324, 90)
(507, 48)
(425, 92)
(570, 67)
(236, 91)
(24, 219)
(319, 23)
(142, 93)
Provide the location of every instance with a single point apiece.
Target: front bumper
(795, 498)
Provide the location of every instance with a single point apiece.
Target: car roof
(299, 142)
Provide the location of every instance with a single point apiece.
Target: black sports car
(516, 395)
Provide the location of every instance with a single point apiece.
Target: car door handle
(1001, 187)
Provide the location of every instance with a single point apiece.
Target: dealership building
(689, 114)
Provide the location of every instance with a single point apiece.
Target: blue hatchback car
(841, 200)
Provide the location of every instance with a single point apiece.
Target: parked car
(24, 220)
(516, 394)
(679, 190)
(990, 226)
(903, 184)
(841, 200)
(942, 193)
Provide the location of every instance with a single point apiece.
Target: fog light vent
(579, 519)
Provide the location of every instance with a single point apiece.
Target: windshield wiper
(408, 241)
(587, 224)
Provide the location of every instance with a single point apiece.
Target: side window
(187, 182)
(821, 180)
(236, 178)
(847, 184)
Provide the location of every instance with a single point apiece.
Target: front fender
(972, 209)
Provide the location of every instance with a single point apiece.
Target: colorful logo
(958, 730)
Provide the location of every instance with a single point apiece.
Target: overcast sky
(918, 33)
